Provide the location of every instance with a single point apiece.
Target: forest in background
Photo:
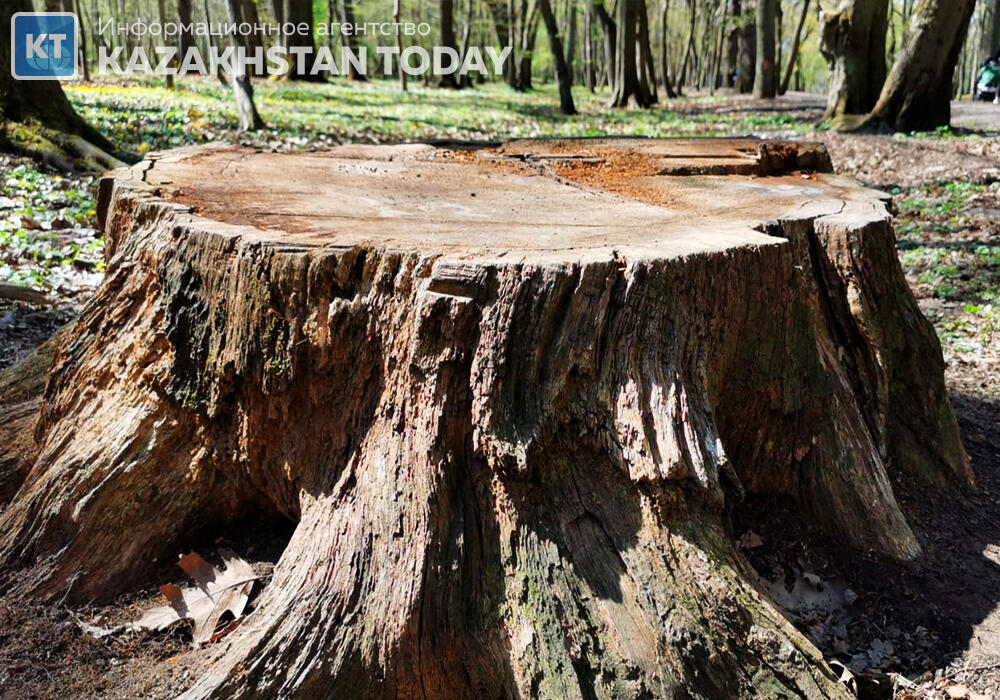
(679, 45)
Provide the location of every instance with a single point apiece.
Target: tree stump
(508, 395)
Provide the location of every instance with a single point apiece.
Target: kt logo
(44, 45)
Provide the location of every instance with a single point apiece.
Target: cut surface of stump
(509, 396)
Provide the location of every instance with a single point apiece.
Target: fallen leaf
(217, 593)
(957, 691)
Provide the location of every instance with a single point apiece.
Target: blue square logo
(44, 45)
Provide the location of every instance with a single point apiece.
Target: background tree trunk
(246, 110)
(506, 472)
(765, 84)
(989, 42)
(748, 56)
(564, 77)
(917, 93)
(36, 119)
(299, 12)
(628, 88)
(185, 16)
(733, 42)
(793, 55)
(448, 39)
(853, 42)
(348, 40)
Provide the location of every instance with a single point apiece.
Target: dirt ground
(913, 631)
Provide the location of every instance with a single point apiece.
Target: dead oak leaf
(217, 592)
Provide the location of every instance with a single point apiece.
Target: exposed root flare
(508, 470)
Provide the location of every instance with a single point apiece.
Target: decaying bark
(507, 396)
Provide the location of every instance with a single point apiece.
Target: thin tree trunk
(718, 81)
(348, 40)
(647, 72)
(219, 73)
(84, 53)
(448, 39)
(668, 87)
(571, 37)
(765, 83)
(161, 8)
(609, 32)
(747, 55)
(689, 49)
(246, 110)
(397, 14)
(733, 43)
(917, 93)
(794, 54)
(463, 48)
(185, 16)
(564, 78)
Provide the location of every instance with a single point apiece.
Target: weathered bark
(917, 93)
(853, 42)
(765, 83)
(37, 120)
(510, 456)
(564, 76)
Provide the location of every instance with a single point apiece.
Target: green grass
(35, 253)
(143, 117)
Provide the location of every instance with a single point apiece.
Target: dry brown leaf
(217, 593)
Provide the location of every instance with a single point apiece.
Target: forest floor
(936, 624)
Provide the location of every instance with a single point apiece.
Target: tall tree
(246, 110)
(668, 87)
(733, 43)
(917, 93)
(564, 77)
(397, 14)
(765, 84)
(747, 54)
(185, 15)
(346, 9)
(36, 118)
(448, 39)
(298, 13)
(629, 90)
(793, 55)
(989, 39)
(853, 42)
